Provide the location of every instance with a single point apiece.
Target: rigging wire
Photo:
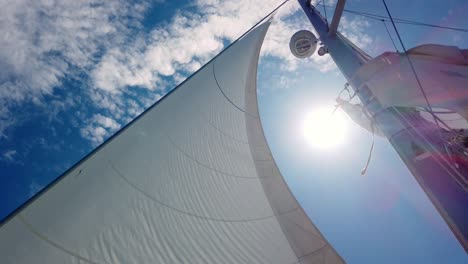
(404, 21)
(429, 109)
(324, 8)
(325, 11)
(390, 35)
(399, 20)
(340, 102)
(445, 124)
(393, 20)
(383, 19)
(410, 62)
(437, 120)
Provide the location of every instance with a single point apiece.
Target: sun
(324, 130)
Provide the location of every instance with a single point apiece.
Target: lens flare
(324, 130)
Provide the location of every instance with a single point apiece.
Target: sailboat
(192, 179)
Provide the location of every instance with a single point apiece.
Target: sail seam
(225, 96)
(209, 167)
(52, 243)
(188, 213)
(313, 252)
(227, 135)
(311, 233)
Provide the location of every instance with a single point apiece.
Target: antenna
(303, 44)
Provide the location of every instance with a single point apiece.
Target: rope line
(410, 62)
(399, 20)
(324, 8)
(390, 35)
(405, 21)
(364, 170)
(325, 11)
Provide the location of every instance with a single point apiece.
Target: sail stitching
(192, 214)
(225, 96)
(227, 135)
(52, 243)
(314, 235)
(314, 252)
(311, 233)
(209, 167)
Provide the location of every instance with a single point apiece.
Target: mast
(349, 60)
(419, 143)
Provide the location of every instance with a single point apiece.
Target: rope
(324, 8)
(436, 119)
(339, 104)
(399, 20)
(390, 35)
(345, 88)
(364, 170)
(404, 21)
(412, 67)
(325, 11)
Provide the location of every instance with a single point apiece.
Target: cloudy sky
(72, 72)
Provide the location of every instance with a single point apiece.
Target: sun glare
(324, 130)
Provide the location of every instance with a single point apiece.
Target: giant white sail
(192, 180)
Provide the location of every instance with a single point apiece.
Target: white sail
(192, 180)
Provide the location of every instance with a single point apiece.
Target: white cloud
(277, 45)
(356, 31)
(9, 155)
(99, 128)
(182, 45)
(170, 52)
(45, 41)
(34, 188)
(191, 39)
(6, 120)
(106, 122)
(96, 134)
(42, 39)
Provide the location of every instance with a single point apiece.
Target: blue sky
(74, 72)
